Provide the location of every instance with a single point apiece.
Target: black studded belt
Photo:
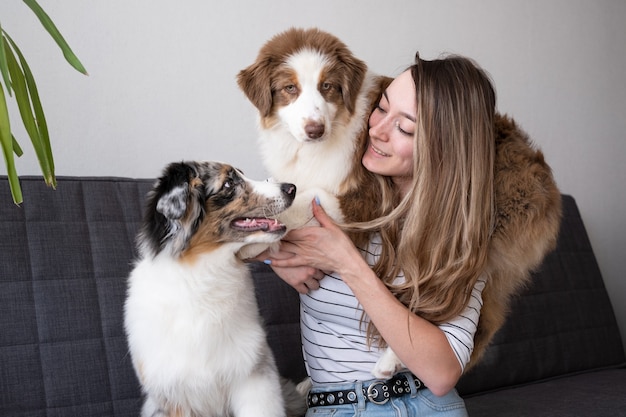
(377, 392)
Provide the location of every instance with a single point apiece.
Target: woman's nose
(379, 129)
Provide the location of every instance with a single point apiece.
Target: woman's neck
(403, 185)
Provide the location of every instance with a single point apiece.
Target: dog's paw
(304, 386)
(387, 366)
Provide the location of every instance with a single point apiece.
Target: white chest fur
(186, 324)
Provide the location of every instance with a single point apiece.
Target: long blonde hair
(437, 235)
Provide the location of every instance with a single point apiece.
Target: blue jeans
(416, 403)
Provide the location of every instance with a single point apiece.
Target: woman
(416, 285)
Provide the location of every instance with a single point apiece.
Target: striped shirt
(334, 329)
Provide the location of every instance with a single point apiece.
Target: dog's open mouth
(255, 224)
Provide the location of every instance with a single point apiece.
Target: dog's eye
(230, 184)
(291, 89)
(327, 86)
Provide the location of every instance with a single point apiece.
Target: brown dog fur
(528, 216)
(360, 200)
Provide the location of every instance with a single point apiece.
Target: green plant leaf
(46, 159)
(21, 92)
(24, 105)
(3, 65)
(56, 35)
(6, 141)
(16, 147)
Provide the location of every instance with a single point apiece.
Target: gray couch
(65, 256)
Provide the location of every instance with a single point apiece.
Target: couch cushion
(563, 323)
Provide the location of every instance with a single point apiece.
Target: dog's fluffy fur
(194, 331)
(528, 218)
(314, 98)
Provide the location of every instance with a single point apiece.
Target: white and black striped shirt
(334, 333)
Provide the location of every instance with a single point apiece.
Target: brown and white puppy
(194, 331)
(314, 98)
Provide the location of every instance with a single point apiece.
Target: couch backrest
(64, 259)
(563, 323)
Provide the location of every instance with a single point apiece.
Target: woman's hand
(302, 278)
(325, 247)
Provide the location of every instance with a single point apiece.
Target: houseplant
(17, 79)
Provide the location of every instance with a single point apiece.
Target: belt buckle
(373, 392)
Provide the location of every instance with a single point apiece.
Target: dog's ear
(256, 82)
(354, 71)
(168, 204)
(173, 204)
(172, 190)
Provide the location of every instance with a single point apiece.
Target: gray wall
(162, 83)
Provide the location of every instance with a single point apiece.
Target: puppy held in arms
(314, 98)
(191, 318)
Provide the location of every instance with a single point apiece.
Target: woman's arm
(421, 345)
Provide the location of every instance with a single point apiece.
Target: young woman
(416, 284)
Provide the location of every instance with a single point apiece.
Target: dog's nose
(314, 130)
(288, 189)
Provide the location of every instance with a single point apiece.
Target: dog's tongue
(258, 223)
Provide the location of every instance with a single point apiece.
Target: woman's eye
(403, 131)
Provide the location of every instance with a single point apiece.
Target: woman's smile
(378, 151)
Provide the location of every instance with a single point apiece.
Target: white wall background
(162, 83)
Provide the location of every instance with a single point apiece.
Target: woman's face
(392, 127)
